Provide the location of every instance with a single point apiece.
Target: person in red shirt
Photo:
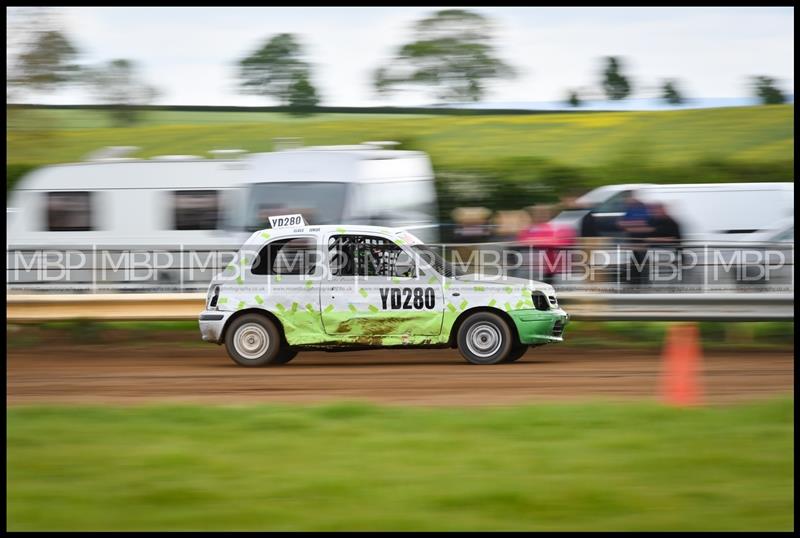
(551, 241)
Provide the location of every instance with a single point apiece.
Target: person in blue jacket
(637, 225)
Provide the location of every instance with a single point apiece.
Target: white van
(717, 221)
(180, 218)
(708, 212)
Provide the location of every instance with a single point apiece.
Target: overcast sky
(190, 53)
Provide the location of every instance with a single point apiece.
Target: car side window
(366, 255)
(291, 256)
(615, 204)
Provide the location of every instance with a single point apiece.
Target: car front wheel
(485, 338)
(516, 353)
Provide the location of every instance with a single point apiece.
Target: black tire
(285, 356)
(258, 333)
(516, 353)
(485, 338)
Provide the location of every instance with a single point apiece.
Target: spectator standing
(666, 234)
(636, 225)
(551, 241)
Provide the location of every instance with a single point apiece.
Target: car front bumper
(212, 322)
(540, 326)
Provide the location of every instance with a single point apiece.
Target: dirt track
(165, 371)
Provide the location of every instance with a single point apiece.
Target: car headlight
(211, 300)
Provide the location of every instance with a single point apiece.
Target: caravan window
(69, 211)
(196, 210)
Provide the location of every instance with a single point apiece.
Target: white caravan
(174, 221)
(120, 222)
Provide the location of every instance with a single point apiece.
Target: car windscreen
(399, 203)
(319, 202)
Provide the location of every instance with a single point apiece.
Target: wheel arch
(258, 311)
(452, 339)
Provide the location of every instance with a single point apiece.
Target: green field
(596, 466)
(508, 161)
(760, 134)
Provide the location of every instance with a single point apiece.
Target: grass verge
(349, 466)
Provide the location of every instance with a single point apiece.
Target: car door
(284, 278)
(375, 289)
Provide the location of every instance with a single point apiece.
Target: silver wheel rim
(484, 339)
(251, 341)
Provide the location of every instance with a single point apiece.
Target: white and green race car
(294, 287)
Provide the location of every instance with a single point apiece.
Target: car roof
(268, 234)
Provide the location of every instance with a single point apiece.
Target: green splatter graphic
(310, 308)
(341, 230)
(259, 299)
(509, 289)
(280, 307)
(395, 280)
(294, 307)
(265, 235)
(519, 305)
(395, 328)
(309, 284)
(452, 307)
(493, 302)
(222, 300)
(239, 280)
(479, 288)
(447, 285)
(463, 304)
(508, 307)
(373, 308)
(352, 308)
(363, 292)
(329, 308)
(241, 305)
(524, 292)
(278, 278)
(433, 280)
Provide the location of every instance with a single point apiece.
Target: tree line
(452, 55)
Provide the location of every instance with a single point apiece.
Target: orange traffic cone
(681, 365)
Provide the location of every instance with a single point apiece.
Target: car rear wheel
(254, 340)
(485, 338)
